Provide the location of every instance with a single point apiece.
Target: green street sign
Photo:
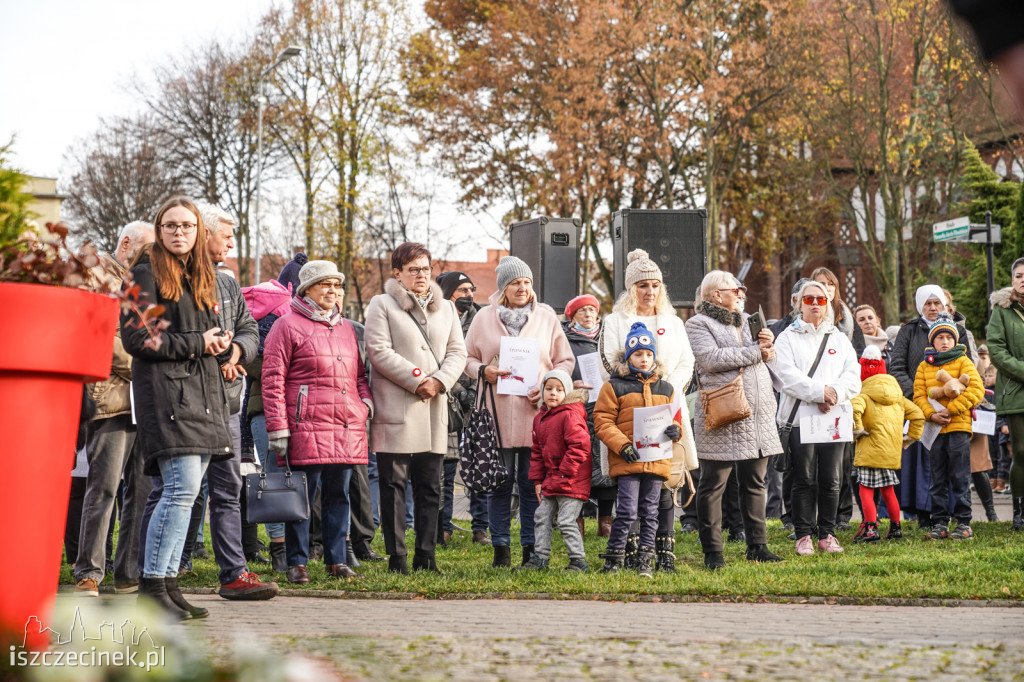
(952, 230)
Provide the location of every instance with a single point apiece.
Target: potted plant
(58, 313)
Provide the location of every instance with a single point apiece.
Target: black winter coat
(907, 352)
(180, 402)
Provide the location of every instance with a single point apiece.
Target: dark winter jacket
(234, 317)
(1006, 349)
(581, 345)
(181, 404)
(908, 352)
(560, 456)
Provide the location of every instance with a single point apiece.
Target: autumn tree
(14, 203)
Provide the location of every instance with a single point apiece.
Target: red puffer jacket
(560, 460)
(314, 384)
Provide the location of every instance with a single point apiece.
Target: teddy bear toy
(951, 386)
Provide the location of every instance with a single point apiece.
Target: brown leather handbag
(725, 405)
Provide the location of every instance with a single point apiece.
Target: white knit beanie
(510, 268)
(640, 267)
(316, 271)
(562, 376)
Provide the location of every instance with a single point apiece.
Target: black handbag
(456, 415)
(278, 497)
(482, 468)
(784, 460)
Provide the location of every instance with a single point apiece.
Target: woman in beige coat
(410, 379)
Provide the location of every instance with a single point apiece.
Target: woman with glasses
(316, 400)
(646, 300)
(725, 350)
(416, 352)
(180, 402)
(515, 311)
(816, 467)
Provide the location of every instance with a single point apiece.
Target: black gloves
(673, 432)
(629, 453)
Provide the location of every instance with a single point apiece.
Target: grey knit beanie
(640, 267)
(562, 376)
(315, 271)
(510, 268)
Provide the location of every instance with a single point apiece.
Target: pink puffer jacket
(313, 388)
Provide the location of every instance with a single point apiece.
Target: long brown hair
(198, 266)
(837, 300)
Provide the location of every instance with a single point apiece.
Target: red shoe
(248, 587)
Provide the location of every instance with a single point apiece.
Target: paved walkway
(524, 640)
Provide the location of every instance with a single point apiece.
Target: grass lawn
(991, 566)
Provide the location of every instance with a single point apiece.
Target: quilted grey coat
(719, 356)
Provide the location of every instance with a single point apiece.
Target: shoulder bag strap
(814, 367)
(1019, 314)
(600, 350)
(424, 333)
(489, 391)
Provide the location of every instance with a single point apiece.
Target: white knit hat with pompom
(640, 267)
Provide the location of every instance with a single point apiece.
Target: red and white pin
(416, 371)
(661, 332)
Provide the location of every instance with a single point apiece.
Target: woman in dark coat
(180, 402)
(582, 326)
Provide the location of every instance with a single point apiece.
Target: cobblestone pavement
(586, 640)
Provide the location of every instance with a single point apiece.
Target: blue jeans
(637, 497)
(951, 465)
(334, 514)
(499, 502)
(258, 426)
(182, 475)
(374, 476)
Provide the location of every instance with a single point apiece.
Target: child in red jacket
(560, 466)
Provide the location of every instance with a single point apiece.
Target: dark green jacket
(1006, 349)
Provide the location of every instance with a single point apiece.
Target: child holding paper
(950, 455)
(636, 382)
(560, 469)
(879, 412)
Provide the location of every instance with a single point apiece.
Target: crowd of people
(275, 376)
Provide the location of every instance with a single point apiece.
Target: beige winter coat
(400, 359)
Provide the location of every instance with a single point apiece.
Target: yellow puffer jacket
(960, 407)
(880, 409)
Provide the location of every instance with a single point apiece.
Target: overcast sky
(69, 62)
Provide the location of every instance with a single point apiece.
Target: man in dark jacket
(459, 288)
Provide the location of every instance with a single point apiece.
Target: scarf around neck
(589, 333)
(306, 307)
(937, 359)
(514, 319)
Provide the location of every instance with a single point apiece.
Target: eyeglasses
(736, 290)
(334, 284)
(815, 300)
(171, 228)
(416, 272)
(466, 289)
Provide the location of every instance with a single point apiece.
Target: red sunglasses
(815, 300)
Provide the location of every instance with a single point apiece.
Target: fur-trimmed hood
(720, 314)
(621, 368)
(577, 395)
(406, 300)
(1001, 297)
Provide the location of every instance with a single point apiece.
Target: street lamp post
(286, 54)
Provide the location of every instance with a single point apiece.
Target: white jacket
(795, 350)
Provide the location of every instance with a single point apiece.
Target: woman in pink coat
(515, 311)
(317, 402)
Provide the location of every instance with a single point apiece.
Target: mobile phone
(756, 323)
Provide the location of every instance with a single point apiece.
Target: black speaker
(551, 247)
(674, 239)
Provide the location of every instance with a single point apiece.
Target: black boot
(156, 589)
(645, 562)
(895, 531)
(422, 561)
(350, 556)
(502, 557)
(527, 553)
(278, 557)
(664, 546)
(1018, 513)
(174, 592)
(613, 560)
(396, 564)
(762, 554)
(632, 547)
(714, 561)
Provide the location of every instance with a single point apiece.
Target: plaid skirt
(875, 478)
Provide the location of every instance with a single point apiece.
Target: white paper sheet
(522, 358)
(931, 429)
(836, 426)
(590, 373)
(649, 439)
(984, 422)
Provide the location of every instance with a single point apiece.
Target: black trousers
(732, 515)
(817, 473)
(749, 475)
(846, 491)
(424, 470)
(361, 530)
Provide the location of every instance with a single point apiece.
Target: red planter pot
(52, 340)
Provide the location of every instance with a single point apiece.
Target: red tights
(867, 500)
